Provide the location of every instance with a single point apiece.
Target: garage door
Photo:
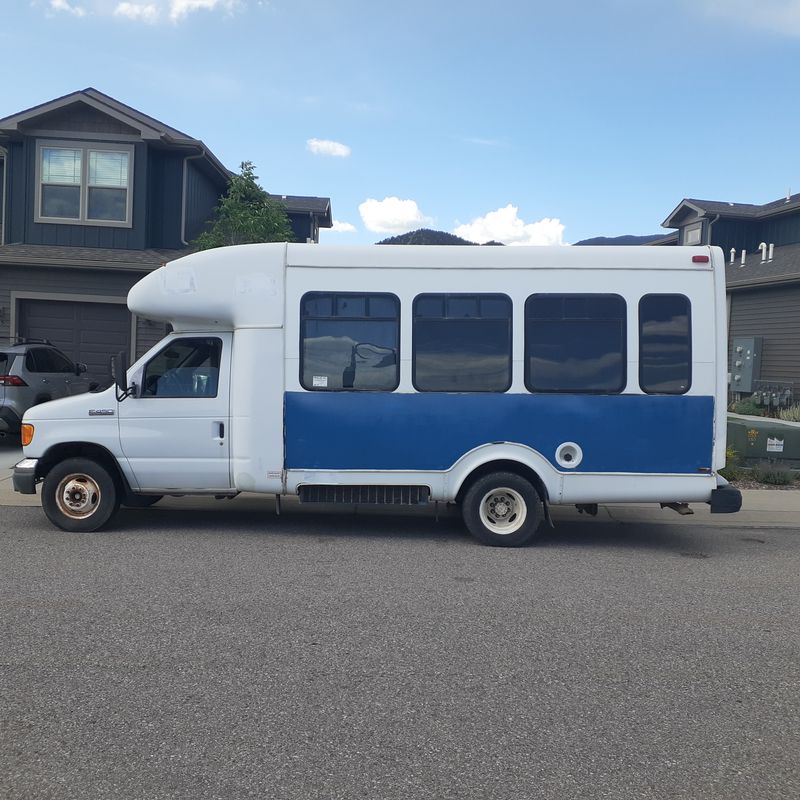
(87, 332)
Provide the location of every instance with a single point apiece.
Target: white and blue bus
(504, 379)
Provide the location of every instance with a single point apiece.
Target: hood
(78, 406)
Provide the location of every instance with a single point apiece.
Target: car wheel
(141, 500)
(79, 495)
(502, 510)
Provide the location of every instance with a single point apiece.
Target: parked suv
(32, 372)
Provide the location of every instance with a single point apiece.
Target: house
(95, 194)
(762, 249)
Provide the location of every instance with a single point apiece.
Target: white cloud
(504, 225)
(781, 16)
(181, 8)
(392, 215)
(144, 12)
(325, 147)
(63, 5)
(150, 11)
(342, 227)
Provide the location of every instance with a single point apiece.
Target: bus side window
(575, 343)
(462, 343)
(665, 344)
(349, 341)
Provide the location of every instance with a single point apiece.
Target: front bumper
(25, 476)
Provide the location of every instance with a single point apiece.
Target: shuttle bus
(504, 379)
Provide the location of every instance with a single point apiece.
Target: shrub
(748, 408)
(773, 473)
(791, 414)
(731, 471)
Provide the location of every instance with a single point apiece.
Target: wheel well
(516, 467)
(95, 452)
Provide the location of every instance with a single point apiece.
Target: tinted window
(184, 368)
(38, 360)
(575, 343)
(59, 362)
(462, 343)
(349, 341)
(665, 353)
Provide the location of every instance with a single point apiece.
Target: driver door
(175, 432)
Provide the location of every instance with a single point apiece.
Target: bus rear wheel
(502, 509)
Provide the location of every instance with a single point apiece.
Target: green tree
(246, 214)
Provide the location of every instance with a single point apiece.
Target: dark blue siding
(202, 195)
(165, 188)
(301, 227)
(620, 433)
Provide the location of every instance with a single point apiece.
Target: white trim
(84, 136)
(85, 147)
(146, 131)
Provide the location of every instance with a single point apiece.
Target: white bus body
(410, 374)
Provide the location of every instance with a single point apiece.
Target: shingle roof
(86, 257)
(102, 102)
(310, 205)
(737, 210)
(784, 268)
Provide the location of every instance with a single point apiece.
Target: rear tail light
(11, 380)
(26, 433)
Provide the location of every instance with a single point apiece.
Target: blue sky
(528, 122)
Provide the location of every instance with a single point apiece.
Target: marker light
(700, 259)
(26, 433)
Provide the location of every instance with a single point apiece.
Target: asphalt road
(226, 655)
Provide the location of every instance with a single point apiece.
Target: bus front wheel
(79, 495)
(502, 510)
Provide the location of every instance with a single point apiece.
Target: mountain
(632, 240)
(425, 236)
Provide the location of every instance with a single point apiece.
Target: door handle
(221, 430)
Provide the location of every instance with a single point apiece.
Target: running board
(367, 495)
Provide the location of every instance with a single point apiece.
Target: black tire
(141, 500)
(502, 509)
(79, 495)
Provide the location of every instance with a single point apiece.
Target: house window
(86, 184)
(693, 235)
(575, 343)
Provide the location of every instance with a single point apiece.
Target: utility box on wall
(746, 362)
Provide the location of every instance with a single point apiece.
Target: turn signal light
(26, 433)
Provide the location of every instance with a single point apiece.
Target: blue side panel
(621, 433)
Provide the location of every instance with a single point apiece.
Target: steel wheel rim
(503, 511)
(78, 496)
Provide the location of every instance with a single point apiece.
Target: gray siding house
(95, 194)
(762, 249)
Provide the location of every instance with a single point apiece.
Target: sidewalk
(761, 508)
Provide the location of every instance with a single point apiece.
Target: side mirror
(80, 368)
(119, 369)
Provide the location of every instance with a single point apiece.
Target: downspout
(4, 157)
(711, 222)
(201, 154)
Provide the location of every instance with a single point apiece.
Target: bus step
(367, 495)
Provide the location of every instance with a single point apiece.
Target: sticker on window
(320, 382)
